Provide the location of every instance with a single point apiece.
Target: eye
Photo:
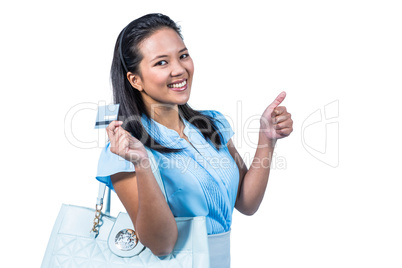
(161, 63)
(184, 56)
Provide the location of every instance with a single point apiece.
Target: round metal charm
(126, 239)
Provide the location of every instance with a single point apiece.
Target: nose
(177, 69)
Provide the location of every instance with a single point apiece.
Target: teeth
(179, 85)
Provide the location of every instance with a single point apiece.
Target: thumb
(111, 128)
(278, 100)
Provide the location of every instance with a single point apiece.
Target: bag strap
(101, 196)
(102, 186)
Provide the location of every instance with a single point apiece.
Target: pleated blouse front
(199, 181)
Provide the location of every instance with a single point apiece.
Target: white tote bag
(85, 237)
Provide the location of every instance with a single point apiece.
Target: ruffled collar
(163, 135)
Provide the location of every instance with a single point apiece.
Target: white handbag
(85, 237)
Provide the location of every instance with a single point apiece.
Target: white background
(337, 200)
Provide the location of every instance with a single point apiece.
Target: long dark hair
(127, 58)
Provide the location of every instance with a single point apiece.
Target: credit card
(106, 114)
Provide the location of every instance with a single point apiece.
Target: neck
(167, 115)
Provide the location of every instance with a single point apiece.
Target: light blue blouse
(199, 181)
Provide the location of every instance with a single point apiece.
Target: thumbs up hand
(276, 122)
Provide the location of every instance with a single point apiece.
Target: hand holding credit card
(122, 142)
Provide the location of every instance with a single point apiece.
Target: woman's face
(166, 70)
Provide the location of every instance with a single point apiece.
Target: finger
(281, 118)
(284, 131)
(118, 131)
(123, 143)
(278, 100)
(278, 111)
(286, 124)
(124, 136)
(110, 129)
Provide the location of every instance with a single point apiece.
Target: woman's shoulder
(212, 113)
(218, 116)
(221, 121)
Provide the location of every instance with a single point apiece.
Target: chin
(183, 101)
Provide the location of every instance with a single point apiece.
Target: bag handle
(101, 196)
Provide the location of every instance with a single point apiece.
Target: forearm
(140, 193)
(154, 221)
(255, 181)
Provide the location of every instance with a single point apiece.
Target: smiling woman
(152, 68)
(152, 74)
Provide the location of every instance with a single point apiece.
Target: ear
(135, 81)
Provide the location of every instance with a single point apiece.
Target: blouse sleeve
(223, 125)
(109, 164)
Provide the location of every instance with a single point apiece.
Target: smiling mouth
(178, 85)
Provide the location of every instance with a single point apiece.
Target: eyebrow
(164, 56)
